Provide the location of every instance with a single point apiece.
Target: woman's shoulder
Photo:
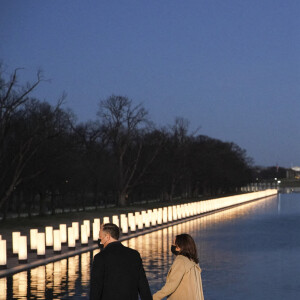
(182, 259)
(188, 263)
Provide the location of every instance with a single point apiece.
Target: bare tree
(124, 126)
(18, 141)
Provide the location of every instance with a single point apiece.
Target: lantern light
(87, 223)
(57, 241)
(159, 216)
(147, 220)
(131, 221)
(122, 216)
(33, 239)
(106, 220)
(139, 221)
(154, 217)
(170, 214)
(124, 225)
(84, 234)
(174, 212)
(149, 213)
(49, 236)
(71, 238)
(96, 229)
(165, 215)
(63, 233)
(129, 217)
(115, 220)
(75, 226)
(3, 254)
(41, 245)
(144, 216)
(22, 249)
(15, 242)
(178, 212)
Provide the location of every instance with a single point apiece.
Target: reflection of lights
(3, 288)
(125, 243)
(49, 275)
(19, 285)
(22, 255)
(3, 254)
(41, 249)
(38, 282)
(85, 268)
(64, 268)
(132, 243)
(73, 264)
(15, 242)
(49, 236)
(63, 233)
(96, 251)
(57, 278)
(33, 239)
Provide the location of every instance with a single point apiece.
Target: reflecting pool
(247, 252)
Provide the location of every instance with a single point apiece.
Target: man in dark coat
(117, 272)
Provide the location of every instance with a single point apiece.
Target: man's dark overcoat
(118, 274)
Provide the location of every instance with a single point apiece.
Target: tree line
(49, 160)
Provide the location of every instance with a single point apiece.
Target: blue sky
(231, 67)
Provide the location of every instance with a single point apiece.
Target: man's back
(118, 274)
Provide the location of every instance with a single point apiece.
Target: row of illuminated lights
(55, 238)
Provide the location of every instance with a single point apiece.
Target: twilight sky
(231, 67)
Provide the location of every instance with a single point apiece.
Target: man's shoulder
(131, 253)
(99, 255)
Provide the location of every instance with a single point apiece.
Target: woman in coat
(184, 278)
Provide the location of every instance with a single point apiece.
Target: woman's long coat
(183, 281)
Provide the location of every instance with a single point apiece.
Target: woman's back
(183, 281)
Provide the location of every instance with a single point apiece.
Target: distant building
(293, 173)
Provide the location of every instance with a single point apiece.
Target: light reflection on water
(248, 252)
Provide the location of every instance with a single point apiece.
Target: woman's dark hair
(187, 246)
